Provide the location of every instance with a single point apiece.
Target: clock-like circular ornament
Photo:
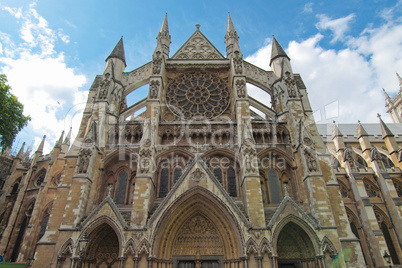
(197, 96)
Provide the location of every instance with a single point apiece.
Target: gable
(197, 47)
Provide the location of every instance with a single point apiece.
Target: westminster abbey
(205, 175)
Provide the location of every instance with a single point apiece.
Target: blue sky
(345, 51)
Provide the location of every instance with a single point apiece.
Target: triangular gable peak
(196, 175)
(198, 47)
(297, 210)
(106, 207)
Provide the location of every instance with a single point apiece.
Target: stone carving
(136, 76)
(311, 161)
(249, 159)
(241, 88)
(198, 47)
(348, 156)
(198, 95)
(290, 84)
(198, 234)
(157, 63)
(238, 63)
(258, 75)
(154, 89)
(85, 156)
(197, 175)
(104, 86)
(375, 155)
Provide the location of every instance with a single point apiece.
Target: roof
(372, 129)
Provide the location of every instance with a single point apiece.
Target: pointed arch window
(218, 174)
(274, 189)
(15, 188)
(164, 182)
(390, 244)
(40, 178)
(43, 226)
(120, 195)
(232, 188)
(177, 174)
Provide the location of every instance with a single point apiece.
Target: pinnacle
(386, 132)
(400, 80)
(277, 51)
(40, 148)
(361, 132)
(230, 27)
(118, 52)
(386, 94)
(68, 136)
(21, 151)
(335, 131)
(59, 142)
(165, 27)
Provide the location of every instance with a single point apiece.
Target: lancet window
(270, 187)
(40, 178)
(119, 184)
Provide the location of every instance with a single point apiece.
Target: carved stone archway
(197, 228)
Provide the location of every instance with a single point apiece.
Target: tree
(11, 118)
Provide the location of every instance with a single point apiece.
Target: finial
(109, 190)
(378, 115)
(285, 186)
(333, 121)
(198, 27)
(358, 121)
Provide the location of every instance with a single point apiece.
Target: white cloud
(308, 8)
(338, 26)
(352, 78)
(40, 78)
(17, 12)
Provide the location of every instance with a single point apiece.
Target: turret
(280, 62)
(116, 61)
(232, 41)
(163, 40)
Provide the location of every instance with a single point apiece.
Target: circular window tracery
(197, 96)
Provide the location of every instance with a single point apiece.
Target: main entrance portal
(197, 232)
(198, 264)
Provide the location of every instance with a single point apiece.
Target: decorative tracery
(198, 96)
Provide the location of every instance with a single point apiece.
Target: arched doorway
(103, 248)
(295, 248)
(197, 231)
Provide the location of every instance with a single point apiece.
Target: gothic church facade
(199, 178)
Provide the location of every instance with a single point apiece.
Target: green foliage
(11, 118)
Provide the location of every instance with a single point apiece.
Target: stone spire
(40, 148)
(232, 40)
(361, 132)
(386, 132)
(59, 142)
(277, 51)
(21, 151)
(335, 131)
(68, 137)
(66, 142)
(163, 39)
(400, 81)
(387, 98)
(118, 52)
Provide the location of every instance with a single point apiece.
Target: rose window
(197, 96)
